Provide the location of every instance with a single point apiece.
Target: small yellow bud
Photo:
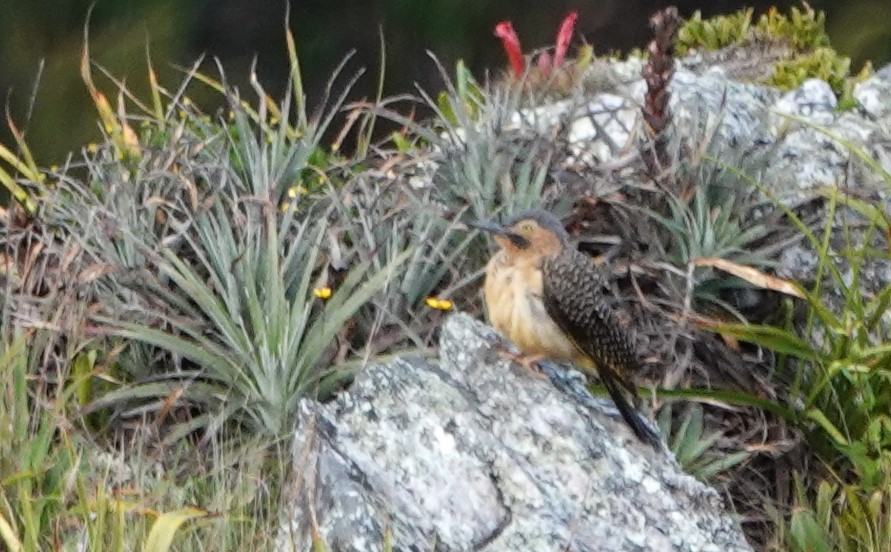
(322, 292)
(285, 206)
(92, 147)
(231, 115)
(439, 304)
(293, 191)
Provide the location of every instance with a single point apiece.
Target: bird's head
(530, 234)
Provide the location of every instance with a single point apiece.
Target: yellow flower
(439, 304)
(92, 147)
(285, 206)
(231, 115)
(294, 190)
(322, 292)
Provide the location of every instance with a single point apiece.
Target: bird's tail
(642, 428)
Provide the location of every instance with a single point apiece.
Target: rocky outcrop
(799, 146)
(468, 451)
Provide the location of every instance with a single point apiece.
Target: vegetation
(173, 292)
(802, 33)
(836, 363)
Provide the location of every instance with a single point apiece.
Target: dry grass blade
(753, 276)
(7, 532)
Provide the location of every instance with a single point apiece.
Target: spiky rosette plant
(202, 250)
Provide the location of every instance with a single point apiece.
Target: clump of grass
(837, 517)
(59, 490)
(834, 365)
(715, 33)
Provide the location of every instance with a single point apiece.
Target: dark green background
(239, 31)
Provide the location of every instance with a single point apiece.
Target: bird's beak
(487, 226)
(498, 230)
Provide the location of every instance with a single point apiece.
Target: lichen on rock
(467, 451)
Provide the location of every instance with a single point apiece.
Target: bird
(547, 298)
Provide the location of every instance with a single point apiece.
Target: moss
(715, 33)
(822, 63)
(802, 31)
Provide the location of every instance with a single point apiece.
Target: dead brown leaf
(752, 275)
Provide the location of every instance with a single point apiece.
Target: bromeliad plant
(243, 314)
(381, 224)
(707, 228)
(484, 164)
(693, 448)
(205, 242)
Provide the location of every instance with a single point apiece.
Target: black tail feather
(644, 431)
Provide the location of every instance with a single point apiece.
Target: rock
(470, 452)
(800, 140)
(874, 94)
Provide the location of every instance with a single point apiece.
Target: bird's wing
(573, 297)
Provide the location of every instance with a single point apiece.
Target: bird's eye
(527, 227)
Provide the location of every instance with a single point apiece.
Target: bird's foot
(529, 362)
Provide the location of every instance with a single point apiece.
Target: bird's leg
(509, 351)
(529, 362)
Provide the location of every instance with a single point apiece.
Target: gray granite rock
(471, 452)
(874, 94)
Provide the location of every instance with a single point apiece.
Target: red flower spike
(564, 37)
(511, 43)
